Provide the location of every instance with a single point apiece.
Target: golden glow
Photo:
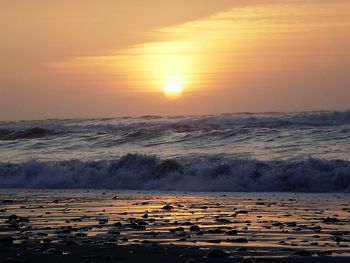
(173, 90)
(241, 50)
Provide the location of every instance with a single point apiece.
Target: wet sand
(127, 226)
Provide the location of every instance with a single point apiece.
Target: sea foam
(211, 173)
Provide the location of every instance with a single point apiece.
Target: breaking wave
(212, 173)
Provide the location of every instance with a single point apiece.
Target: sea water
(304, 152)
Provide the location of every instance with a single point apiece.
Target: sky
(109, 58)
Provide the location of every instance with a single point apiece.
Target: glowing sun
(173, 90)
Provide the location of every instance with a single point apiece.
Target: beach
(133, 226)
(180, 131)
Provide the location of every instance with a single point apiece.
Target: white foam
(216, 173)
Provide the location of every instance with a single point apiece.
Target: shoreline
(65, 226)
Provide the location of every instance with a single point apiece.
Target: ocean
(252, 152)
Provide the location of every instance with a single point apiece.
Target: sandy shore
(102, 226)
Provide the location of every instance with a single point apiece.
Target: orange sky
(82, 59)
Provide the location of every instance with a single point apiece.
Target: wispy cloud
(252, 38)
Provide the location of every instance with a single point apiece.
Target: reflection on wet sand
(240, 224)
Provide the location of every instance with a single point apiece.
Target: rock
(277, 224)
(325, 253)
(64, 231)
(195, 228)
(178, 229)
(217, 253)
(141, 223)
(7, 201)
(215, 241)
(336, 233)
(145, 216)
(337, 239)
(151, 233)
(317, 229)
(167, 207)
(223, 220)
(303, 253)
(14, 226)
(138, 227)
(238, 240)
(215, 231)
(13, 217)
(330, 220)
(232, 232)
(242, 212)
(102, 221)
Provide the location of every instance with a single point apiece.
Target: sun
(173, 90)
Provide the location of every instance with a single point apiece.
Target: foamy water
(228, 152)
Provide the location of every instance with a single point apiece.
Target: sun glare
(173, 90)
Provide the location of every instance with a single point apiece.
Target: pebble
(232, 232)
(195, 228)
(217, 253)
(330, 220)
(303, 253)
(238, 240)
(168, 207)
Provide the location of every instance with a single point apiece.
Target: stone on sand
(217, 253)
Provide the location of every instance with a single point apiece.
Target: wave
(139, 129)
(180, 124)
(30, 133)
(211, 173)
